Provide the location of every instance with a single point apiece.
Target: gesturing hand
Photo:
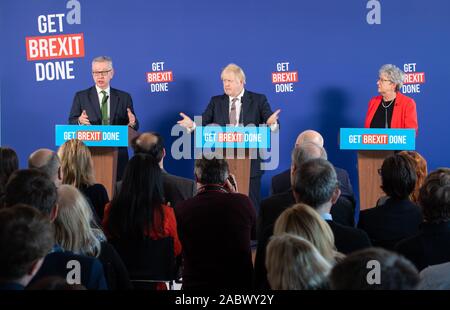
(273, 118)
(84, 119)
(186, 122)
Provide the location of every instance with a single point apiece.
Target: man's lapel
(246, 104)
(113, 103)
(93, 100)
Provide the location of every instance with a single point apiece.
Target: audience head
(374, 269)
(26, 236)
(420, 167)
(301, 220)
(310, 136)
(434, 196)
(46, 161)
(211, 171)
(303, 153)
(76, 163)
(316, 184)
(133, 207)
(9, 163)
(398, 177)
(293, 263)
(150, 143)
(34, 188)
(73, 223)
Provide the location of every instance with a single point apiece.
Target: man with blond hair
(238, 107)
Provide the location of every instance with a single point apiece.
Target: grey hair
(50, 168)
(211, 171)
(315, 182)
(394, 74)
(103, 59)
(305, 152)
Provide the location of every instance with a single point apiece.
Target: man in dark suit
(34, 188)
(215, 229)
(176, 188)
(344, 210)
(104, 105)
(26, 236)
(238, 106)
(315, 184)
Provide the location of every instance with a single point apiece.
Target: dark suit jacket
(215, 231)
(88, 100)
(176, 188)
(270, 210)
(55, 264)
(348, 239)
(119, 102)
(391, 222)
(343, 211)
(431, 246)
(255, 110)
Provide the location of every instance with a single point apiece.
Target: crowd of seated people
(54, 213)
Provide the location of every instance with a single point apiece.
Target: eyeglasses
(101, 73)
(383, 80)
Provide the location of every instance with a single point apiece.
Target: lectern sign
(95, 135)
(377, 139)
(232, 137)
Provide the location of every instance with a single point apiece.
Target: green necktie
(104, 108)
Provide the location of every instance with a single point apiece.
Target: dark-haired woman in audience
(75, 231)
(431, 246)
(77, 170)
(397, 217)
(8, 164)
(420, 167)
(138, 210)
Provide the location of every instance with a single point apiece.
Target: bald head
(46, 161)
(310, 136)
(150, 143)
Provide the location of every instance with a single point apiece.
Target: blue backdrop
(336, 48)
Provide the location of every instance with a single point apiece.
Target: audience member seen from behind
(77, 170)
(293, 263)
(216, 227)
(398, 217)
(48, 162)
(138, 210)
(420, 167)
(75, 231)
(431, 245)
(303, 221)
(26, 236)
(8, 164)
(374, 269)
(34, 188)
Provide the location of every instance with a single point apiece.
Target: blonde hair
(73, 224)
(76, 163)
(420, 167)
(236, 70)
(293, 263)
(304, 221)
